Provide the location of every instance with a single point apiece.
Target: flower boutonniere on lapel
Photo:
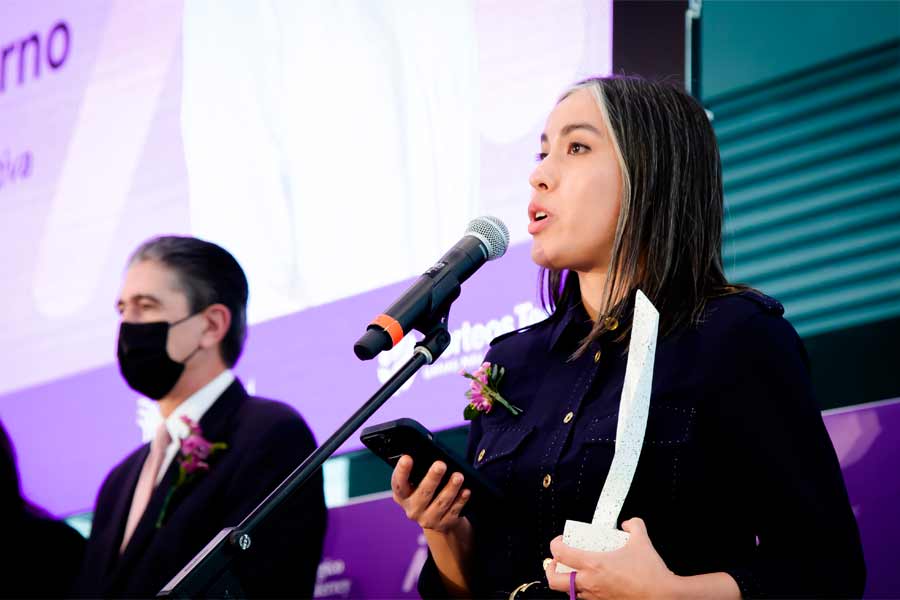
(192, 461)
(484, 391)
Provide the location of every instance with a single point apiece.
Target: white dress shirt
(194, 408)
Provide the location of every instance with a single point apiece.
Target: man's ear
(218, 320)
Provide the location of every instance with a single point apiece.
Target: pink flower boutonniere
(192, 461)
(484, 391)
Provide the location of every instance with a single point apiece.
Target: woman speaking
(737, 491)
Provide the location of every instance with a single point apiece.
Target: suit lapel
(215, 425)
(120, 509)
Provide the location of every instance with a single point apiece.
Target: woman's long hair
(668, 240)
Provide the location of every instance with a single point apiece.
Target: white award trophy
(601, 535)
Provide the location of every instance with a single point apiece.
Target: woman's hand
(449, 536)
(633, 571)
(439, 512)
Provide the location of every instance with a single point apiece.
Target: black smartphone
(393, 439)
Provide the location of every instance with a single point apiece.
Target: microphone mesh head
(493, 232)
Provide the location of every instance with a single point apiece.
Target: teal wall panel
(805, 99)
(745, 42)
(811, 167)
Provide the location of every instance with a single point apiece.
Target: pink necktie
(146, 482)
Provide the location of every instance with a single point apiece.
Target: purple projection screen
(337, 149)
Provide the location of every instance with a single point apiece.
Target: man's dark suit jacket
(266, 441)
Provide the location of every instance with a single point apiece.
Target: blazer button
(547, 480)
(481, 455)
(597, 357)
(568, 417)
(611, 323)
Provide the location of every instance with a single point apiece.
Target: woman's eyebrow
(572, 127)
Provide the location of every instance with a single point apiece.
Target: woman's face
(577, 188)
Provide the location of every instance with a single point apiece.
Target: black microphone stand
(209, 573)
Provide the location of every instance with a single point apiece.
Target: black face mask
(144, 361)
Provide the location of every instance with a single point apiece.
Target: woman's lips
(537, 226)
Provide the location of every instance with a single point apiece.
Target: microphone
(486, 238)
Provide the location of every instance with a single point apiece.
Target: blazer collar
(216, 424)
(120, 508)
(571, 324)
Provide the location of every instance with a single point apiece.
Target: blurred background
(337, 149)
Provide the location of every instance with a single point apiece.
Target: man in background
(218, 451)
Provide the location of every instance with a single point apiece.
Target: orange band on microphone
(391, 326)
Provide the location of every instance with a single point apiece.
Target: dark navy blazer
(266, 441)
(737, 472)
